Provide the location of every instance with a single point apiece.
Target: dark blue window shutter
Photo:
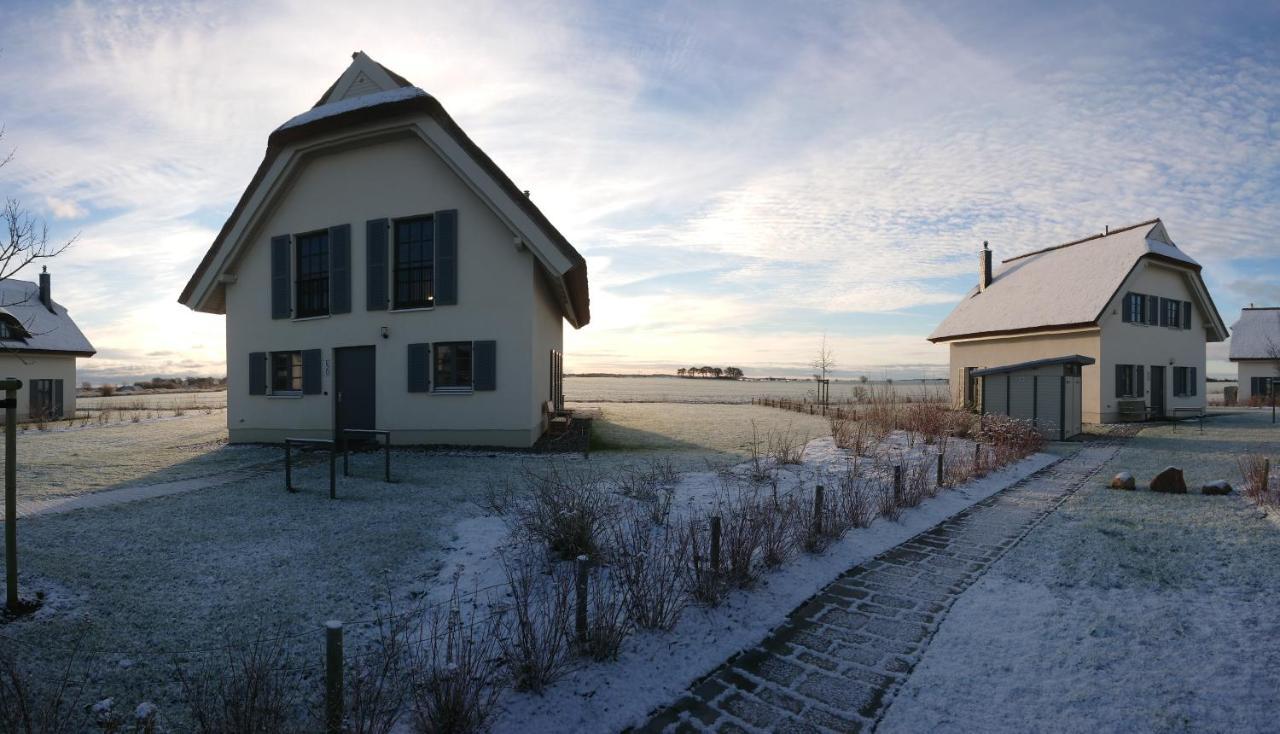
(1120, 380)
(57, 398)
(484, 356)
(419, 368)
(257, 373)
(1164, 312)
(1194, 387)
(1126, 311)
(280, 277)
(375, 264)
(311, 372)
(1153, 310)
(340, 269)
(446, 265)
(1186, 314)
(1140, 380)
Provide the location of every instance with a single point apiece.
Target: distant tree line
(719, 373)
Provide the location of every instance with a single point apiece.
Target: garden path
(837, 661)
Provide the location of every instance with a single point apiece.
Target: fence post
(346, 455)
(333, 676)
(715, 543)
(288, 467)
(939, 468)
(1266, 476)
(897, 480)
(580, 618)
(386, 459)
(817, 510)
(11, 493)
(977, 456)
(333, 479)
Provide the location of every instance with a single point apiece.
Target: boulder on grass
(1219, 487)
(1123, 480)
(1170, 480)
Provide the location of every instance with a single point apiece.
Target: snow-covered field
(1124, 611)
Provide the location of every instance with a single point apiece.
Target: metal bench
(289, 443)
(1189, 412)
(358, 432)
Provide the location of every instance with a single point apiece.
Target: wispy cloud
(739, 181)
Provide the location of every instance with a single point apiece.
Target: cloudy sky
(741, 177)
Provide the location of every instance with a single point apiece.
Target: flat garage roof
(1070, 359)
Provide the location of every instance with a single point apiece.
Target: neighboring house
(1127, 298)
(380, 271)
(39, 344)
(1255, 348)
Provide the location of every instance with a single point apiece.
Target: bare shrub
(609, 624)
(455, 673)
(647, 563)
(564, 509)
(376, 683)
(107, 391)
(652, 484)
(786, 446)
(760, 467)
(30, 705)
(887, 503)
(249, 691)
(855, 499)
(1010, 439)
(1255, 469)
(703, 582)
(778, 513)
(842, 432)
(537, 639)
(742, 533)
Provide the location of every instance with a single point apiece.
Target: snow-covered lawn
(141, 585)
(67, 461)
(1124, 611)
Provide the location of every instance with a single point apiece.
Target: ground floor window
(286, 373)
(1261, 386)
(45, 399)
(1129, 381)
(1184, 382)
(452, 366)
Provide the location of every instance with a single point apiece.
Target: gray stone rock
(1123, 480)
(1219, 487)
(1170, 481)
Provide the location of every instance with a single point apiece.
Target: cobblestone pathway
(836, 662)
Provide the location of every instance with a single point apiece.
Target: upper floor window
(452, 366)
(312, 268)
(414, 263)
(286, 373)
(5, 331)
(1137, 310)
(1173, 312)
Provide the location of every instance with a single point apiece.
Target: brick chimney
(46, 296)
(984, 267)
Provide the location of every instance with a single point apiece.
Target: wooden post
(1266, 477)
(288, 468)
(715, 543)
(333, 677)
(939, 468)
(580, 619)
(977, 456)
(897, 480)
(11, 492)
(817, 510)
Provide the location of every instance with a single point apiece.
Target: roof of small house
(39, 329)
(1067, 285)
(1257, 334)
(394, 98)
(1033, 364)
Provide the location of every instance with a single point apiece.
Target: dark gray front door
(1157, 391)
(354, 383)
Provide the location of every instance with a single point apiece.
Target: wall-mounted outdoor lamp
(386, 334)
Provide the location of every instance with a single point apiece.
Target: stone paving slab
(838, 659)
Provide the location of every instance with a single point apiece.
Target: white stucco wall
(1138, 344)
(981, 353)
(1249, 369)
(41, 367)
(499, 298)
